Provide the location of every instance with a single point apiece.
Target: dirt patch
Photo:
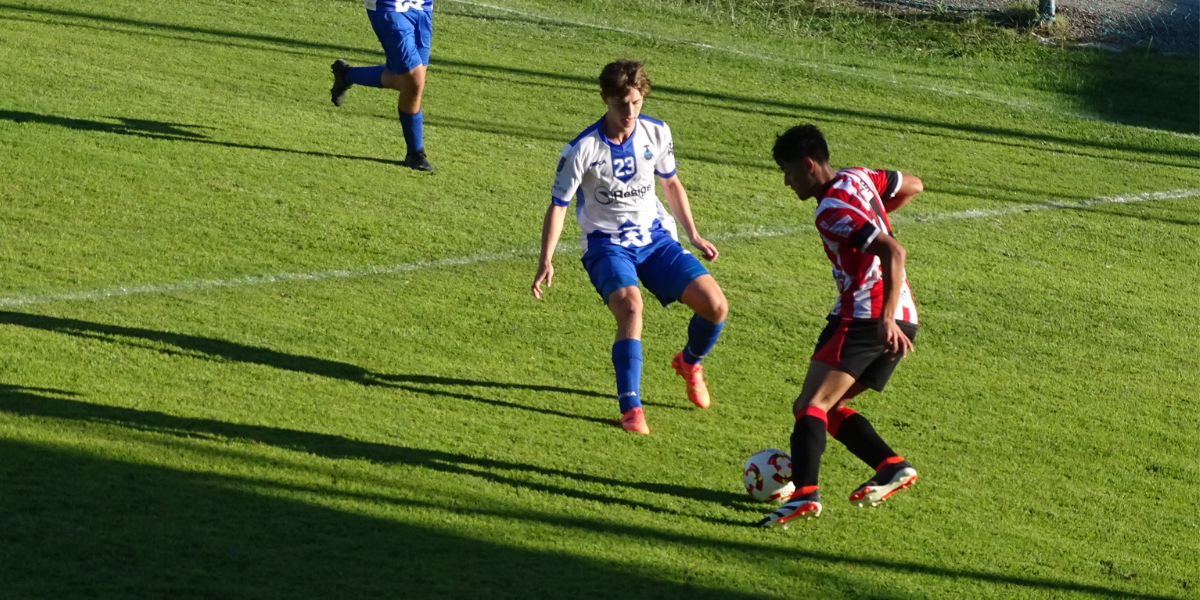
(1167, 25)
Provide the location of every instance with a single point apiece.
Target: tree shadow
(1026, 140)
(790, 554)
(19, 401)
(210, 349)
(1175, 91)
(163, 130)
(81, 526)
(1135, 88)
(275, 40)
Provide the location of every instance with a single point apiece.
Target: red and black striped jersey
(850, 215)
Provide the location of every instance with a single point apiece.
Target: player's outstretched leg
(892, 472)
(704, 296)
(371, 77)
(808, 444)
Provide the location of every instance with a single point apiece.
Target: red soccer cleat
(634, 420)
(697, 391)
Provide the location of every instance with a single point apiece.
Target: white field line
(822, 67)
(746, 233)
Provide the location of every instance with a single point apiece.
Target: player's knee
(625, 302)
(799, 405)
(820, 400)
(718, 308)
(632, 306)
(416, 78)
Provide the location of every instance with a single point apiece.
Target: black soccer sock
(808, 444)
(856, 433)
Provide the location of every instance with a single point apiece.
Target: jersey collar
(627, 144)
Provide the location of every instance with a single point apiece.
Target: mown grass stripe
(754, 232)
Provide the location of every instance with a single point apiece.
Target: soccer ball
(768, 475)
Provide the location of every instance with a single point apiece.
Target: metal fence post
(1046, 11)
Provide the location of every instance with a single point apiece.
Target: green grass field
(246, 355)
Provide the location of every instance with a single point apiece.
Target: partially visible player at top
(870, 329)
(609, 170)
(404, 28)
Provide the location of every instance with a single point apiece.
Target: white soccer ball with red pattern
(768, 475)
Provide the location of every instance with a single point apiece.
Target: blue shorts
(405, 37)
(664, 267)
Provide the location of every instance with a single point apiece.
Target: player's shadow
(163, 130)
(20, 401)
(211, 349)
(435, 380)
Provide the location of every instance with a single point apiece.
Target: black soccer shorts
(853, 346)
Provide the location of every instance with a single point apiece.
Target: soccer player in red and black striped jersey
(870, 329)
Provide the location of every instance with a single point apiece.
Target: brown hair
(620, 76)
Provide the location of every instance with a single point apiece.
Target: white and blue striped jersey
(613, 184)
(399, 5)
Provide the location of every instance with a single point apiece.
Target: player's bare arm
(681, 209)
(552, 226)
(909, 186)
(891, 261)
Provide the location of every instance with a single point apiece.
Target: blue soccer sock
(627, 361)
(414, 126)
(702, 334)
(368, 76)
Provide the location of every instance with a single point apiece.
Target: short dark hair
(799, 143)
(618, 77)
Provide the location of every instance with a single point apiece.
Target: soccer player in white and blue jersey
(404, 29)
(609, 170)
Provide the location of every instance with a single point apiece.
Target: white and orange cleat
(890, 479)
(634, 420)
(697, 391)
(800, 506)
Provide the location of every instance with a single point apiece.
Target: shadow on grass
(211, 348)
(19, 401)
(1178, 108)
(81, 525)
(162, 130)
(1024, 139)
(1134, 88)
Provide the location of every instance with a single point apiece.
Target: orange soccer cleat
(697, 391)
(634, 420)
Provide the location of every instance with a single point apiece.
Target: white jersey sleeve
(567, 177)
(665, 165)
